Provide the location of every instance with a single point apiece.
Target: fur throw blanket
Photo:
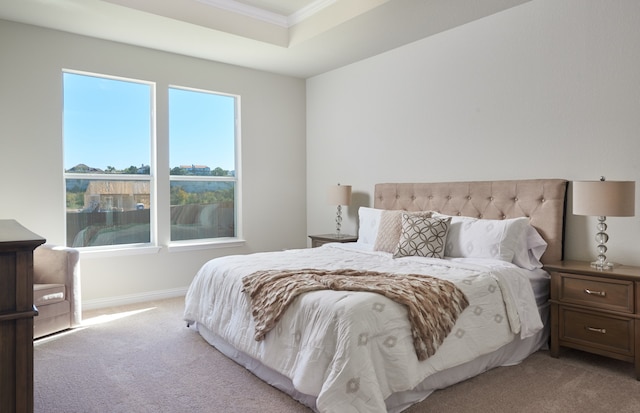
(433, 304)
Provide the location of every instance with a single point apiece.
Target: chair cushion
(45, 294)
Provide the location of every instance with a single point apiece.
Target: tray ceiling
(300, 38)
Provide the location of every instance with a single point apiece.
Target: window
(108, 133)
(110, 170)
(202, 158)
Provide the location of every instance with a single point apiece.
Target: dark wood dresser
(16, 316)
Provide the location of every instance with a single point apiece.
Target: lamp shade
(604, 198)
(339, 195)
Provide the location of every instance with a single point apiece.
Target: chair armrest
(60, 265)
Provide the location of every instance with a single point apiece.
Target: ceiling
(300, 38)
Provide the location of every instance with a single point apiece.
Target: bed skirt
(508, 355)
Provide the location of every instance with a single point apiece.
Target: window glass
(202, 164)
(107, 160)
(202, 209)
(107, 124)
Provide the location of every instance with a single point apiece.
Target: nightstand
(317, 240)
(596, 310)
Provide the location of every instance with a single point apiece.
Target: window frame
(222, 241)
(157, 181)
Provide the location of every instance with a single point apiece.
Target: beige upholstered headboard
(541, 200)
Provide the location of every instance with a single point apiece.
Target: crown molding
(308, 11)
(268, 16)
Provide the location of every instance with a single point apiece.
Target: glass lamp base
(601, 262)
(602, 265)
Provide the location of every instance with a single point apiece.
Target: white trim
(268, 16)
(308, 11)
(203, 244)
(249, 11)
(107, 251)
(133, 298)
(108, 176)
(207, 178)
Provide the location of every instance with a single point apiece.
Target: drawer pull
(597, 330)
(591, 292)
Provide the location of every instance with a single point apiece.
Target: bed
(356, 346)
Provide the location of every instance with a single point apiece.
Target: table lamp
(602, 199)
(339, 195)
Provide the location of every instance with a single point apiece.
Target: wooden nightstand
(596, 310)
(317, 240)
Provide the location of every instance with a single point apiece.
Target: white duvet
(351, 350)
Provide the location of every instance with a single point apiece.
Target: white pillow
(528, 255)
(486, 238)
(369, 221)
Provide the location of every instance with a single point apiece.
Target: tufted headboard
(541, 200)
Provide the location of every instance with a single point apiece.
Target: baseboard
(99, 303)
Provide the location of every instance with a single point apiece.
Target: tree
(75, 200)
(219, 172)
(178, 196)
(177, 171)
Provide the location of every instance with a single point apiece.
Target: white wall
(273, 151)
(548, 89)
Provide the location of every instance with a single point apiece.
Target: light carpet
(143, 358)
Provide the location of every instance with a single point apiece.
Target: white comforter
(352, 350)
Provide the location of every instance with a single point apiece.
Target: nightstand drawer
(594, 292)
(596, 330)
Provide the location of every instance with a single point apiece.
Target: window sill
(118, 251)
(180, 246)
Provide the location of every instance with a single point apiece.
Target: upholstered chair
(56, 289)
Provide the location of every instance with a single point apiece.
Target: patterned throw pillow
(390, 227)
(422, 236)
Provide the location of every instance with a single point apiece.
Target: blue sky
(108, 123)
